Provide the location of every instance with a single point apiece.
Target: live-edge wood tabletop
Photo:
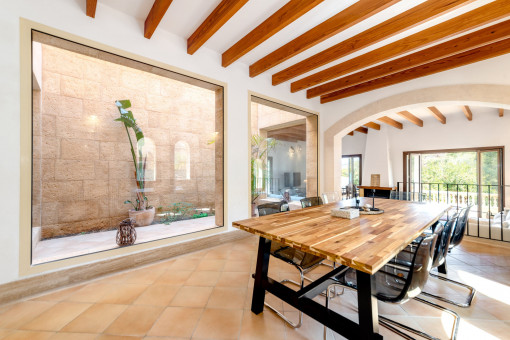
(365, 243)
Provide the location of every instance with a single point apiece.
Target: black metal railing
(487, 218)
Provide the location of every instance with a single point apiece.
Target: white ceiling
(184, 16)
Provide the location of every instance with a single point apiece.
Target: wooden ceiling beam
(467, 42)
(462, 23)
(362, 129)
(437, 114)
(391, 122)
(410, 117)
(467, 112)
(156, 13)
(461, 59)
(291, 11)
(410, 18)
(218, 17)
(91, 8)
(373, 125)
(501, 112)
(341, 21)
(351, 133)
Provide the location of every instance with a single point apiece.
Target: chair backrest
(330, 197)
(444, 236)
(272, 208)
(460, 227)
(405, 275)
(311, 201)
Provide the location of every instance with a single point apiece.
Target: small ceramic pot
(142, 217)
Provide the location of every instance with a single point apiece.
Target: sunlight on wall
(182, 160)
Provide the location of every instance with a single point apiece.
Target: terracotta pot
(142, 217)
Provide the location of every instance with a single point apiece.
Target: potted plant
(142, 212)
(260, 148)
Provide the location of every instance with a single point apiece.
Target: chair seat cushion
(294, 256)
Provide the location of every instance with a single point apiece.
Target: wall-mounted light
(292, 151)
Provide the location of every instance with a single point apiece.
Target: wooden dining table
(365, 244)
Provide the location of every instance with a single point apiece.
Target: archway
(497, 96)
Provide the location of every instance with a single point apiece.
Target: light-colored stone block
(72, 128)
(77, 211)
(51, 82)
(49, 213)
(74, 170)
(51, 104)
(62, 191)
(80, 149)
(71, 107)
(71, 87)
(49, 147)
(95, 189)
(92, 89)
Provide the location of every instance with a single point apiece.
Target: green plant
(140, 163)
(260, 148)
(178, 211)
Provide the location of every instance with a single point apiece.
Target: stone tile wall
(83, 170)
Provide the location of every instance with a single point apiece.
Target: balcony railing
(487, 218)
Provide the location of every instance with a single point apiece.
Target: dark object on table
(373, 201)
(126, 233)
(311, 202)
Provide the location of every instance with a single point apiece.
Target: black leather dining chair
(402, 279)
(311, 201)
(303, 262)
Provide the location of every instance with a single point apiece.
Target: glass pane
(355, 170)
(345, 171)
(489, 181)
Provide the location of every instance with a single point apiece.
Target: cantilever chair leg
(472, 292)
(388, 323)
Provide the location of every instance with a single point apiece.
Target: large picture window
(95, 165)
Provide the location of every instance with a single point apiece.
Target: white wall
(354, 145)
(118, 30)
(486, 129)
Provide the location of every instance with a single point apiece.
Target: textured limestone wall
(83, 170)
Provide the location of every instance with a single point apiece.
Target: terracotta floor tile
(124, 294)
(59, 295)
(73, 336)
(219, 324)
(184, 264)
(237, 266)
(214, 265)
(233, 279)
(95, 319)
(266, 325)
(23, 312)
(5, 332)
(57, 316)
(218, 254)
(28, 335)
(176, 322)
(227, 297)
(135, 321)
(191, 296)
(92, 292)
(157, 295)
(174, 277)
(203, 278)
(117, 337)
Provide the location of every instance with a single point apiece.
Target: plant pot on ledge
(144, 217)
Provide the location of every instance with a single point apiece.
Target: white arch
(488, 95)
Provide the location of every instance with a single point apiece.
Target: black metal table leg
(259, 293)
(367, 306)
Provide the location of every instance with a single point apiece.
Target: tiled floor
(65, 247)
(207, 295)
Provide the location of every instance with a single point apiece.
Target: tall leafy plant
(139, 162)
(260, 149)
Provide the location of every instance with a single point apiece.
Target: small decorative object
(126, 233)
(367, 207)
(345, 213)
(375, 180)
(371, 212)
